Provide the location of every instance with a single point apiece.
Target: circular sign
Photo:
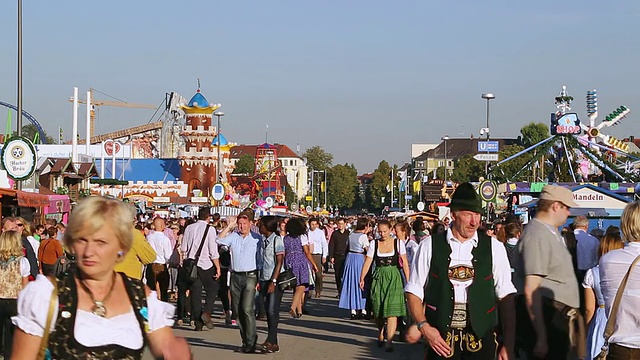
(308, 208)
(268, 202)
(19, 158)
(488, 190)
(294, 207)
(420, 206)
(218, 192)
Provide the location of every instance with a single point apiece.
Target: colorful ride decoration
(592, 154)
(198, 158)
(594, 131)
(268, 171)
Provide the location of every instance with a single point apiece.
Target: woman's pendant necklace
(99, 308)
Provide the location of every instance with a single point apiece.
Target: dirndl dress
(595, 336)
(387, 286)
(351, 296)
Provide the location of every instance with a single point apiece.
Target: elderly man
(550, 285)
(455, 267)
(245, 246)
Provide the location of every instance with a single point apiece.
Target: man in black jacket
(338, 247)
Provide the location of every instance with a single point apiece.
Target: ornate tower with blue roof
(198, 158)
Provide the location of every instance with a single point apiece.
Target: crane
(119, 103)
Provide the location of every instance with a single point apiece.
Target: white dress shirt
(460, 255)
(161, 244)
(613, 267)
(318, 242)
(192, 239)
(586, 249)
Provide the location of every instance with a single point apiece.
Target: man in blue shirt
(245, 247)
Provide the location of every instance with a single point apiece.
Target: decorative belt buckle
(459, 317)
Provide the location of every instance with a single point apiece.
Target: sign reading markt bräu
(19, 158)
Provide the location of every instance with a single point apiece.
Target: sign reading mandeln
(19, 158)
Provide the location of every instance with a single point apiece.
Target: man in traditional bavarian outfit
(451, 269)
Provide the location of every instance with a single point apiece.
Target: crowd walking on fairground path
(114, 281)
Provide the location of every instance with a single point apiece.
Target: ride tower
(268, 171)
(198, 158)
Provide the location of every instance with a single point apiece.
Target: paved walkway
(327, 333)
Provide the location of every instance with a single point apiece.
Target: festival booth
(602, 207)
(22, 203)
(58, 208)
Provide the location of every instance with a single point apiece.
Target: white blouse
(90, 330)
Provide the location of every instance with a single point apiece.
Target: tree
(29, 131)
(508, 170)
(467, 169)
(343, 185)
(533, 133)
(317, 158)
(378, 188)
(245, 165)
(289, 195)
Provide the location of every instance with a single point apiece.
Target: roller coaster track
(43, 137)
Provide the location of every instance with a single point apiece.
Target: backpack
(65, 264)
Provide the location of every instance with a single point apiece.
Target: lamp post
(445, 138)
(219, 114)
(19, 132)
(313, 172)
(488, 97)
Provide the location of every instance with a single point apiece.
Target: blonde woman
(27, 233)
(99, 314)
(14, 275)
(30, 245)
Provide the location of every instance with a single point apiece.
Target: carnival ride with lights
(593, 153)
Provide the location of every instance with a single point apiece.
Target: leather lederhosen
(62, 343)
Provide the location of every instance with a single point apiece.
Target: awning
(26, 199)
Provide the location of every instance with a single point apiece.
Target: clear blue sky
(362, 79)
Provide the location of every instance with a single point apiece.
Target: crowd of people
(541, 290)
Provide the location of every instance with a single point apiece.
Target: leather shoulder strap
(47, 328)
(608, 331)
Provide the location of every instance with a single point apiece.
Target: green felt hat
(466, 198)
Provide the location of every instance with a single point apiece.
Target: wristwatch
(421, 324)
(274, 280)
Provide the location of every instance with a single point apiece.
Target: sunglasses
(19, 225)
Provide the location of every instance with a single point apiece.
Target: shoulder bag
(190, 266)
(47, 328)
(611, 322)
(286, 279)
(174, 260)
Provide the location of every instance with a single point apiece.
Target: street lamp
(219, 114)
(19, 132)
(488, 97)
(445, 138)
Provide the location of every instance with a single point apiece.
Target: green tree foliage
(378, 187)
(317, 158)
(508, 170)
(533, 133)
(289, 195)
(29, 131)
(343, 185)
(468, 169)
(245, 165)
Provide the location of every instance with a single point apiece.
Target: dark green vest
(481, 298)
